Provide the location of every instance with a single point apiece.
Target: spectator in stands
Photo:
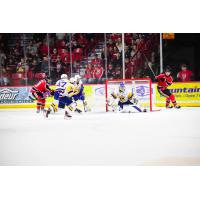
(96, 60)
(60, 36)
(119, 44)
(133, 50)
(117, 59)
(128, 68)
(45, 65)
(185, 74)
(110, 72)
(109, 53)
(126, 52)
(4, 80)
(88, 77)
(44, 49)
(32, 48)
(11, 66)
(59, 69)
(109, 43)
(2, 58)
(34, 67)
(17, 52)
(21, 66)
(98, 73)
(54, 57)
(118, 73)
(65, 55)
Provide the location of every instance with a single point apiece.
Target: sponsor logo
(7, 94)
(185, 90)
(142, 91)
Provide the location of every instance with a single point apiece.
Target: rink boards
(187, 94)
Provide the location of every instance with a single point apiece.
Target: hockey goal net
(141, 88)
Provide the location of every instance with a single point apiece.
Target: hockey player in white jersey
(79, 93)
(60, 88)
(124, 101)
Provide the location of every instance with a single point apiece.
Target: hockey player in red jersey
(164, 80)
(39, 92)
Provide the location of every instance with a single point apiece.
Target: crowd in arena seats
(140, 51)
(24, 64)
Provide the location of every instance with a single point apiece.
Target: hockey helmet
(64, 76)
(77, 77)
(72, 80)
(168, 69)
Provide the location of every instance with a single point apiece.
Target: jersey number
(62, 84)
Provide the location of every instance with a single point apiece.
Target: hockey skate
(168, 107)
(67, 115)
(144, 110)
(46, 113)
(177, 106)
(38, 111)
(78, 110)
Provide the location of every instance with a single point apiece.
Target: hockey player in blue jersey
(124, 101)
(79, 93)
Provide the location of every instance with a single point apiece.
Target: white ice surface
(168, 137)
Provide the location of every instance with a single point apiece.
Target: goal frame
(128, 79)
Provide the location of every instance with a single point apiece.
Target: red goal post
(141, 88)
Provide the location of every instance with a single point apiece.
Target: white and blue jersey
(60, 88)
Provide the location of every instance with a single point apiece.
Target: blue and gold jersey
(122, 96)
(69, 90)
(78, 87)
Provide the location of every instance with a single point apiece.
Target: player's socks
(42, 108)
(38, 108)
(54, 108)
(167, 103)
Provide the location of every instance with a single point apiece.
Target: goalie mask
(121, 87)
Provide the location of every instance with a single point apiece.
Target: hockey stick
(149, 65)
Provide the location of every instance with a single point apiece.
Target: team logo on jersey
(142, 91)
(7, 94)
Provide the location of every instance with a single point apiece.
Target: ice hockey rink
(166, 137)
